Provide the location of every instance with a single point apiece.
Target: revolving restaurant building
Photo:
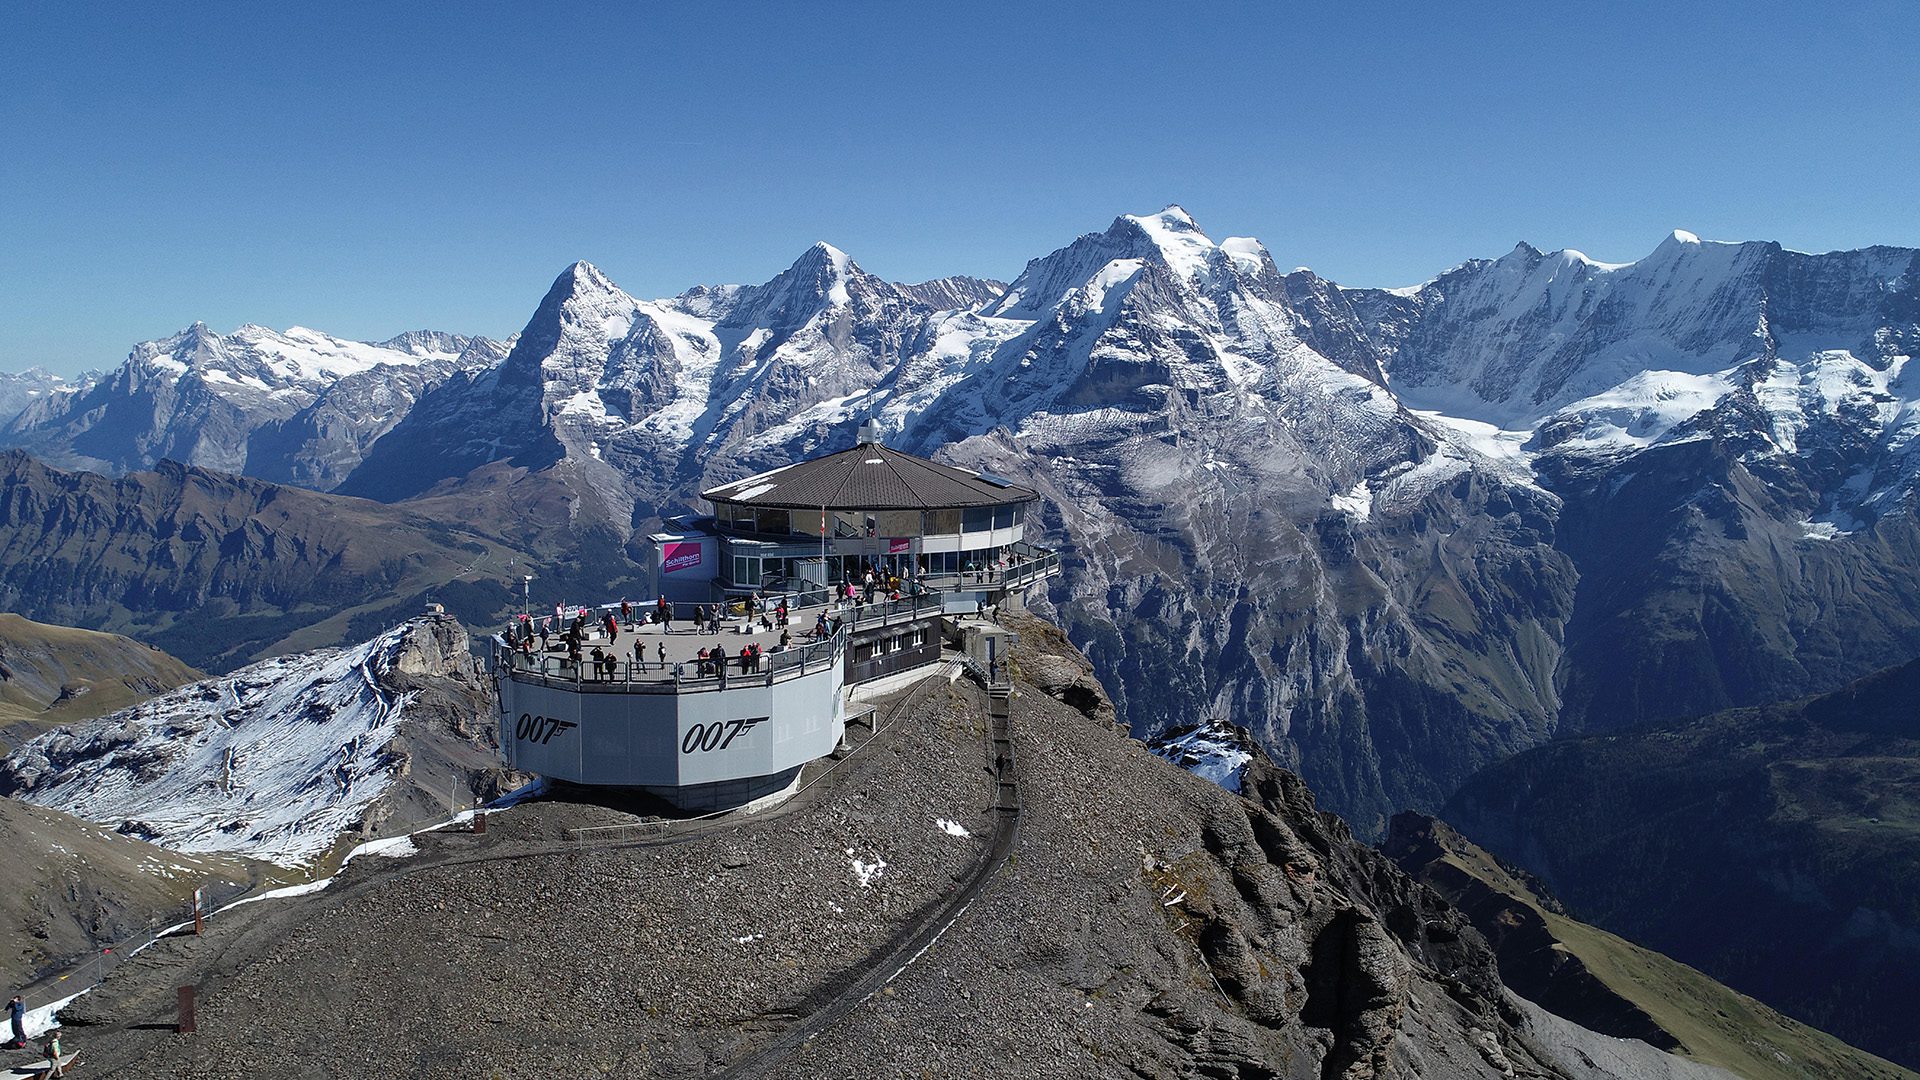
(653, 710)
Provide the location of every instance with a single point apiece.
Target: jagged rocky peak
(1096, 263)
(959, 292)
(429, 343)
(584, 289)
(430, 645)
(582, 312)
(823, 278)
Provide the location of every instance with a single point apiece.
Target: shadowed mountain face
(53, 675)
(215, 568)
(1606, 983)
(1396, 534)
(1773, 848)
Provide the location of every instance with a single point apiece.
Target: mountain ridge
(1264, 510)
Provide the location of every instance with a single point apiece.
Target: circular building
(816, 523)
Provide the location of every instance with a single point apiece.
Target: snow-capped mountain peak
(1175, 238)
(1098, 268)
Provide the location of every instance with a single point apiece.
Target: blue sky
(370, 169)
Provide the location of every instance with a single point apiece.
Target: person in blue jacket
(17, 1012)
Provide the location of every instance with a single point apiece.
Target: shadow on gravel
(637, 803)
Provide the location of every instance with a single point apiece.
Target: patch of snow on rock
(1215, 750)
(865, 871)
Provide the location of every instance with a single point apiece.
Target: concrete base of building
(726, 794)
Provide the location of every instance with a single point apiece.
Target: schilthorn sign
(680, 556)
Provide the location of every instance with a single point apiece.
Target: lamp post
(526, 595)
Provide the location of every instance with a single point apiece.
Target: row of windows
(874, 522)
(751, 571)
(868, 650)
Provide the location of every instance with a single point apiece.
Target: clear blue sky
(366, 169)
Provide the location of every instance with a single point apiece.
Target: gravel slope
(1148, 923)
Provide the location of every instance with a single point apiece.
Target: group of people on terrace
(588, 646)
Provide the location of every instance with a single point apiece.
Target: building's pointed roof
(869, 477)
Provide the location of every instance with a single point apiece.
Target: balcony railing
(644, 677)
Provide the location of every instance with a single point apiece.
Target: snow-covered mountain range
(297, 406)
(1395, 533)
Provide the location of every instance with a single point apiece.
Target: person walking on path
(17, 1013)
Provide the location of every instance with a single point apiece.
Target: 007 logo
(540, 729)
(717, 735)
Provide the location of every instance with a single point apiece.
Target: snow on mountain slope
(255, 401)
(1214, 750)
(276, 761)
(1346, 515)
(1531, 338)
(19, 390)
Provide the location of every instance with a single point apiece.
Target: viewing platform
(717, 714)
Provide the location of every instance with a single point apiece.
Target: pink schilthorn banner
(898, 546)
(678, 557)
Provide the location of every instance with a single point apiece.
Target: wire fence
(71, 975)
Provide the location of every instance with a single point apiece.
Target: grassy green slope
(1714, 1024)
(52, 675)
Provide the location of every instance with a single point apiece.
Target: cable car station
(808, 580)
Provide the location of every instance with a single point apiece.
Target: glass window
(942, 522)
(977, 518)
(774, 521)
(898, 522)
(1003, 516)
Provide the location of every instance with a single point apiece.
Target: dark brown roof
(869, 477)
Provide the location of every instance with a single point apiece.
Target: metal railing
(644, 677)
(620, 675)
(1021, 571)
